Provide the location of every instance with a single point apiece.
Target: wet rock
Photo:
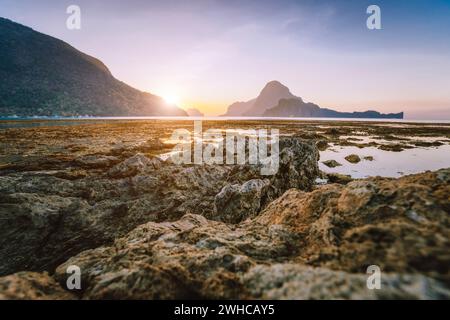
(151, 145)
(32, 286)
(370, 222)
(133, 234)
(427, 143)
(303, 245)
(322, 145)
(368, 158)
(32, 228)
(293, 281)
(48, 219)
(390, 137)
(71, 174)
(237, 202)
(97, 161)
(189, 258)
(339, 178)
(134, 165)
(331, 163)
(333, 132)
(353, 158)
(298, 168)
(45, 220)
(395, 147)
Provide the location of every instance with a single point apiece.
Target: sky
(207, 54)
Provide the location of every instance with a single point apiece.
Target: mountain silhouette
(272, 92)
(43, 76)
(268, 98)
(299, 108)
(276, 100)
(193, 112)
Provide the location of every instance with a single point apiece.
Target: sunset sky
(210, 53)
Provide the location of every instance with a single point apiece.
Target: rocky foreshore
(139, 227)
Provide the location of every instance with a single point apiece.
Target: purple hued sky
(210, 53)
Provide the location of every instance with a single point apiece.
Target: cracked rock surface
(143, 228)
(48, 218)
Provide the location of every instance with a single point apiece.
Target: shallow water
(363, 139)
(386, 163)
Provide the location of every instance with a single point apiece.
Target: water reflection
(386, 163)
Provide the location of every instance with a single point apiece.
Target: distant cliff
(193, 112)
(44, 76)
(269, 96)
(298, 108)
(276, 100)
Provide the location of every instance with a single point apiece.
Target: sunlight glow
(171, 99)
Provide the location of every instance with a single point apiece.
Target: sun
(171, 99)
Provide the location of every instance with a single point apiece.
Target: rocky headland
(276, 100)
